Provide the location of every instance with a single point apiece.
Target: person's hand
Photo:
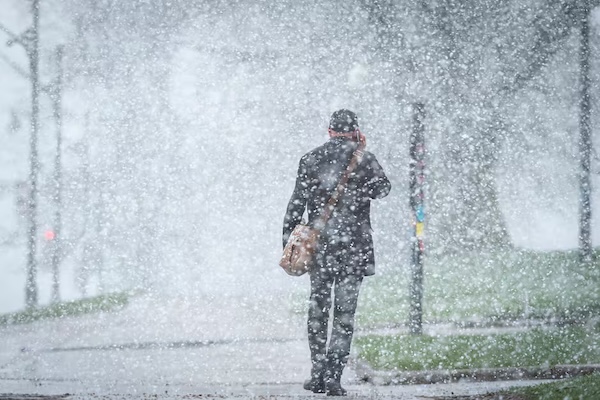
(362, 140)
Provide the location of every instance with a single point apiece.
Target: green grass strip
(108, 302)
(584, 387)
(500, 286)
(536, 347)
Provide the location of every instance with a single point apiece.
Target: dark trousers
(329, 359)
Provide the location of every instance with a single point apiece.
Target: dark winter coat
(346, 238)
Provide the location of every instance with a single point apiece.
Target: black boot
(315, 385)
(334, 388)
(333, 377)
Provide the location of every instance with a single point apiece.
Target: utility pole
(417, 206)
(31, 288)
(57, 242)
(585, 142)
(30, 42)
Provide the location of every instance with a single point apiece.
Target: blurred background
(178, 127)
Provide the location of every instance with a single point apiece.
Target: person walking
(345, 247)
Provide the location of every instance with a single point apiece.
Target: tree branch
(15, 66)
(552, 28)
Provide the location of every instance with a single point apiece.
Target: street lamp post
(57, 242)
(33, 51)
(585, 142)
(417, 205)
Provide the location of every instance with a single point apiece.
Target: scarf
(355, 135)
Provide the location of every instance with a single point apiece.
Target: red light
(49, 235)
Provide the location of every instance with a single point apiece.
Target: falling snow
(179, 127)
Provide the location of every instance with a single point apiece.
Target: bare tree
(476, 56)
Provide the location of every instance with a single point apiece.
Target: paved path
(243, 345)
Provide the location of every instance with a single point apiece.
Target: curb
(365, 373)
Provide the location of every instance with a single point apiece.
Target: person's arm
(297, 203)
(378, 184)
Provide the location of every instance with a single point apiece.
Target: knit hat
(343, 121)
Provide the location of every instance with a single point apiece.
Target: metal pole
(57, 243)
(417, 200)
(585, 143)
(33, 50)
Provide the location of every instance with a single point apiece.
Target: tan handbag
(299, 252)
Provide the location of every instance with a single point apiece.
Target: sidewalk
(245, 344)
(211, 340)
